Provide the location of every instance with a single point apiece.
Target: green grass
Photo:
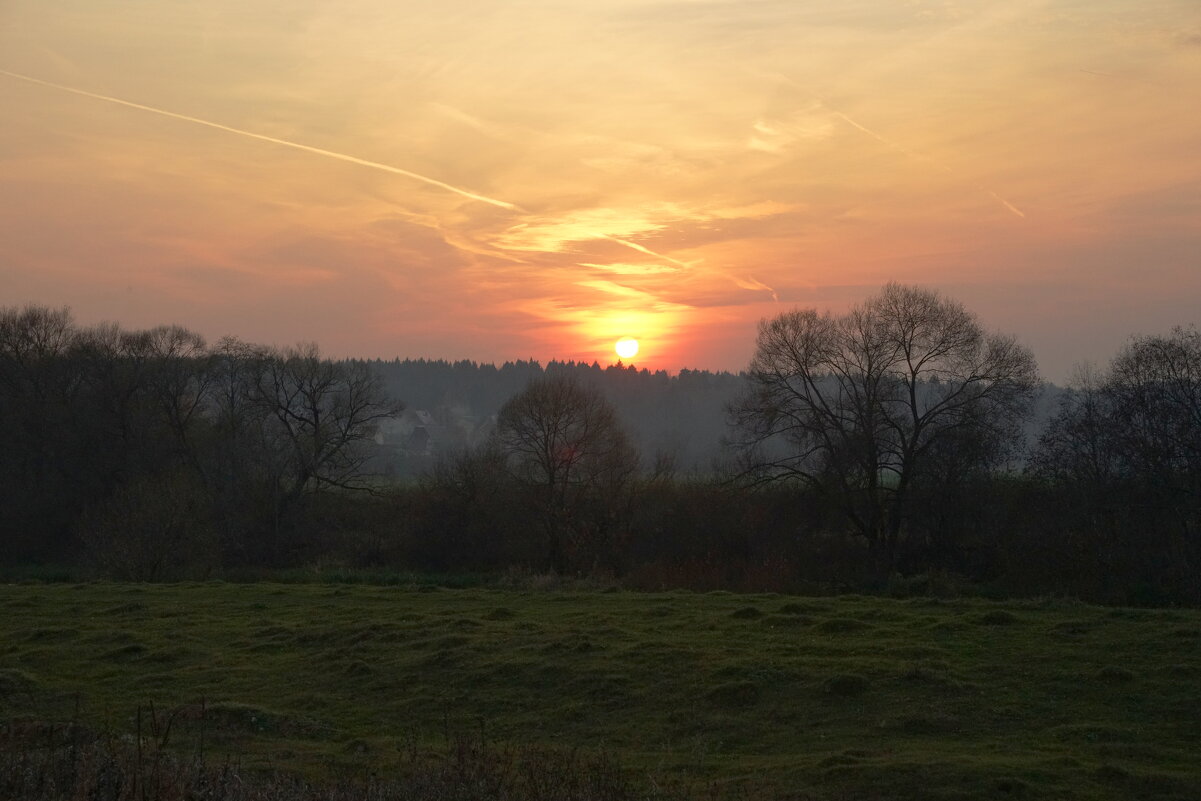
(767, 696)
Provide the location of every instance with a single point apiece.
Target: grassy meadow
(723, 695)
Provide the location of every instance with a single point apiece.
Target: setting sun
(627, 348)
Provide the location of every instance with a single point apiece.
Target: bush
(155, 529)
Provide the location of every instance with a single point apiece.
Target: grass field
(757, 696)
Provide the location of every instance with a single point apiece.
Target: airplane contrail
(750, 282)
(296, 145)
(887, 142)
(919, 157)
(640, 248)
(1005, 202)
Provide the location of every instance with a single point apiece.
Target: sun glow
(627, 348)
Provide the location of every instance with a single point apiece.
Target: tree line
(882, 448)
(152, 454)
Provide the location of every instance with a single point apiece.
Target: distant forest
(898, 448)
(682, 417)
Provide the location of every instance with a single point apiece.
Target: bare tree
(181, 372)
(1123, 457)
(1136, 426)
(1140, 420)
(854, 405)
(323, 413)
(285, 424)
(1155, 383)
(38, 384)
(562, 442)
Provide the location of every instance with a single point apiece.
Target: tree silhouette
(855, 405)
(561, 442)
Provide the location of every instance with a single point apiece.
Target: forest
(895, 448)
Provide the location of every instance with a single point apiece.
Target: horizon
(474, 182)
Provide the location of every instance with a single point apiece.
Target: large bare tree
(561, 441)
(857, 405)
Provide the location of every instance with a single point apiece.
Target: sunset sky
(498, 180)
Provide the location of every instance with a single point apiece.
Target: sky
(495, 180)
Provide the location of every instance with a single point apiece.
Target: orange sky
(494, 181)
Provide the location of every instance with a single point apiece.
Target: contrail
(750, 282)
(887, 142)
(919, 157)
(296, 145)
(640, 248)
(1005, 202)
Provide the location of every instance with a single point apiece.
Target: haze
(497, 181)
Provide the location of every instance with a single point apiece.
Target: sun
(627, 347)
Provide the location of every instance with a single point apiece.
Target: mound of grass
(1093, 733)
(734, 694)
(52, 634)
(1115, 675)
(842, 625)
(1074, 628)
(803, 608)
(926, 724)
(747, 613)
(846, 684)
(125, 609)
(787, 621)
(928, 673)
(13, 681)
(131, 651)
(1011, 786)
(233, 717)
